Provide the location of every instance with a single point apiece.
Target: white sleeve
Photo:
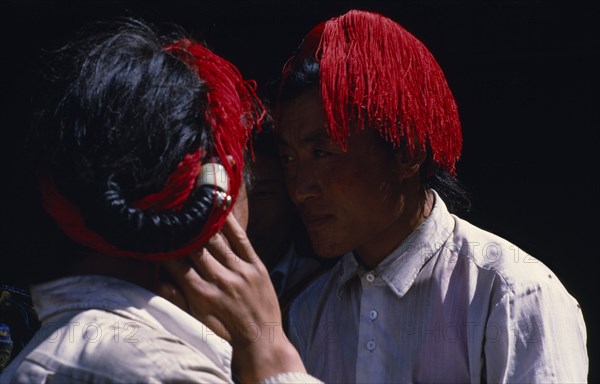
(291, 378)
(536, 333)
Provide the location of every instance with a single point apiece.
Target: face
(240, 207)
(271, 211)
(349, 200)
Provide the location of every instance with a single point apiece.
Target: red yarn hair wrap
(375, 73)
(232, 111)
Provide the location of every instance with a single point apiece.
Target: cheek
(267, 214)
(241, 209)
(365, 190)
(358, 178)
(378, 176)
(348, 190)
(240, 212)
(289, 186)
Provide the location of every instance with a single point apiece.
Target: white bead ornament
(215, 174)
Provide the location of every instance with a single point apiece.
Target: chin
(328, 248)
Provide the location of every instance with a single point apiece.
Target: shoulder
(82, 349)
(531, 320)
(509, 268)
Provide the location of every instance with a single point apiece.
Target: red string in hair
(233, 109)
(376, 73)
(178, 187)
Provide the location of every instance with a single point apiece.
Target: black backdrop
(524, 73)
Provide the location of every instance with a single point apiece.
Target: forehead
(302, 124)
(302, 119)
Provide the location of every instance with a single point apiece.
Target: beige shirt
(452, 304)
(97, 329)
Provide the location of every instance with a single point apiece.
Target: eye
(286, 158)
(319, 154)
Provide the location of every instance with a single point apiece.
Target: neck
(139, 272)
(416, 209)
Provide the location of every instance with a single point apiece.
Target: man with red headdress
(370, 136)
(140, 161)
(369, 139)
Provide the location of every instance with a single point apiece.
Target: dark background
(524, 73)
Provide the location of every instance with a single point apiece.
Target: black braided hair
(128, 114)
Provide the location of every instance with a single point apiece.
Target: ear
(409, 163)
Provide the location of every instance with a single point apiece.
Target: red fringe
(178, 187)
(233, 109)
(375, 73)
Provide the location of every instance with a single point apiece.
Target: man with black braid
(140, 161)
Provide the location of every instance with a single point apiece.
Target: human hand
(228, 288)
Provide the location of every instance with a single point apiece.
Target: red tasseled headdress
(231, 113)
(377, 74)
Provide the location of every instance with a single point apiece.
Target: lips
(317, 221)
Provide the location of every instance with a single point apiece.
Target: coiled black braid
(132, 229)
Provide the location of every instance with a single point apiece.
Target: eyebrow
(316, 136)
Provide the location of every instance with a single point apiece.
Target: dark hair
(303, 75)
(126, 113)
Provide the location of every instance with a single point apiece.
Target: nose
(304, 183)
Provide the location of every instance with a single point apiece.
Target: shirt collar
(400, 268)
(348, 268)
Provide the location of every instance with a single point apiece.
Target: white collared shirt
(452, 304)
(99, 329)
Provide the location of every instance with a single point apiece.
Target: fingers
(193, 294)
(238, 240)
(225, 257)
(185, 277)
(219, 248)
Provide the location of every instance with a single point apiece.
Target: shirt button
(371, 345)
(370, 277)
(373, 314)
